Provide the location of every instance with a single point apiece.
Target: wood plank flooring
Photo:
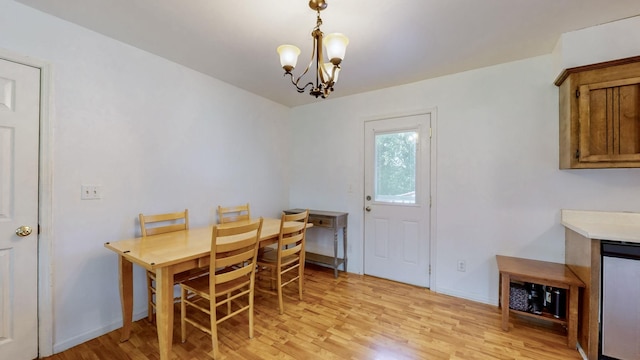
(352, 317)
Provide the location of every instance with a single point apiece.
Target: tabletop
(161, 250)
(536, 269)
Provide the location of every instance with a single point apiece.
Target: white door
(19, 128)
(397, 209)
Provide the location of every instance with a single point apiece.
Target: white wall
(157, 136)
(499, 189)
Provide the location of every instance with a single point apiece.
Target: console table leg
(335, 253)
(344, 243)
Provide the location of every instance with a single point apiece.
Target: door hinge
(429, 269)
(430, 133)
(430, 202)
(577, 93)
(578, 154)
(38, 229)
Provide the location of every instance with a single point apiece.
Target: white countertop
(603, 225)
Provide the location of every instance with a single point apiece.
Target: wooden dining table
(165, 255)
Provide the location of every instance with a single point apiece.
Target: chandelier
(326, 72)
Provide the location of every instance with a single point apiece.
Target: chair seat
(200, 285)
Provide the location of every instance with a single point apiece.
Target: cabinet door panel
(609, 114)
(599, 120)
(629, 133)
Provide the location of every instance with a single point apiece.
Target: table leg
(335, 253)
(164, 310)
(504, 301)
(572, 317)
(344, 244)
(125, 269)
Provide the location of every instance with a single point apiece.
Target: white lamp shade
(328, 68)
(288, 55)
(335, 45)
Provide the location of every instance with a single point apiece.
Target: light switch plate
(91, 192)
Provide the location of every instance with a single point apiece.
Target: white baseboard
(79, 339)
(582, 353)
(467, 296)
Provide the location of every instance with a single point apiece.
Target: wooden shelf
(322, 259)
(544, 273)
(544, 315)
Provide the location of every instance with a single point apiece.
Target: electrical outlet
(90, 192)
(462, 266)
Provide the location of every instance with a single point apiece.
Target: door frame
(45, 201)
(433, 112)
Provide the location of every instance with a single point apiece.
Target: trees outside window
(396, 167)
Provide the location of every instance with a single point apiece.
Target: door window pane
(395, 170)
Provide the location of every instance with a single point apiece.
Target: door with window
(397, 205)
(19, 141)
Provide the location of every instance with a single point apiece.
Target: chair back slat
(233, 213)
(234, 274)
(292, 250)
(229, 259)
(163, 223)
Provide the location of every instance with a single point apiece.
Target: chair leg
(214, 326)
(251, 312)
(273, 282)
(300, 279)
(279, 285)
(149, 299)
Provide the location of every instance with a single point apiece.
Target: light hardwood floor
(352, 317)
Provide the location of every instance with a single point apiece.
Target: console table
(545, 273)
(330, 220)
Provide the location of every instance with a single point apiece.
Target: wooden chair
(233, 214)
(230, 281)
(286, 264)
(160, 224)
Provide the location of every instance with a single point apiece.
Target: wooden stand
(545, 273)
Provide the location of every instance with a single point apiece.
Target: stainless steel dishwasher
(620, 303)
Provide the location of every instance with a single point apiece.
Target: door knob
(23, 230)
(368, 208)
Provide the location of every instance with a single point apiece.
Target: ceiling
(391, 42)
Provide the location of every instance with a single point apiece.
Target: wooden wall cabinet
(600, 115)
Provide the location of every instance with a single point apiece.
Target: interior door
(19, 141)
(397, 209)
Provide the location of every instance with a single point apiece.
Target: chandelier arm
(317, 51)
(295, 82)
(304, 72)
